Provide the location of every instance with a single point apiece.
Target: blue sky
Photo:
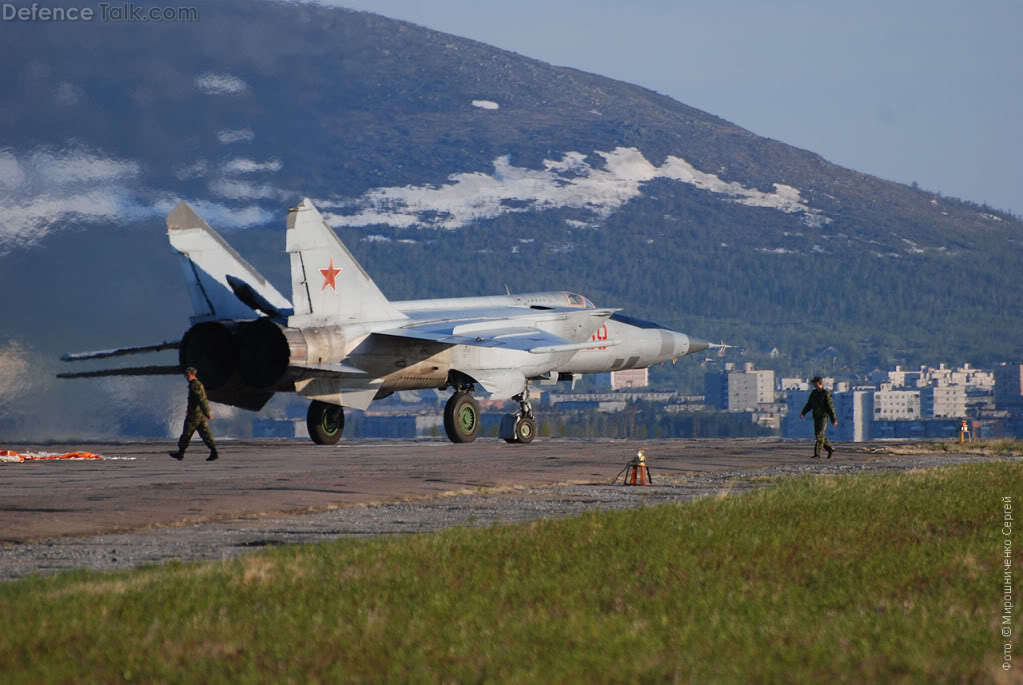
(930, 92)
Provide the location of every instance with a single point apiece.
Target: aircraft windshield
(580, 301)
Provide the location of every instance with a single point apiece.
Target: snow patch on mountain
(235, 135)
(48, 188)
(569, 182)
(197, 169)
(220, 84)
(216, 214)
(242, 165)
(234, 189)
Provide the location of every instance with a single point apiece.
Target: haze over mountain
(450, 168)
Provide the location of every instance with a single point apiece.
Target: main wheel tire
(325, 422)
(462, 417)
(525, 430)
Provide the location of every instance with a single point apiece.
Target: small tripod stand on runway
(636, 472)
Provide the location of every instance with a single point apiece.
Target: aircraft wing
(509, 333)
(509, 338)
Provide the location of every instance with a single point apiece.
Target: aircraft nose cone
(686, 344)
(695, 344)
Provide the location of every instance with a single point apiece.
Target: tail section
(327, 284)
(222, 285)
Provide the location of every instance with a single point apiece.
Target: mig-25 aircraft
(341, 343)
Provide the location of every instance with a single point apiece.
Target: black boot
(830, 450)
(213, 455)
(179, 455)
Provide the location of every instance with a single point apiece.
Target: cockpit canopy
(575, 300)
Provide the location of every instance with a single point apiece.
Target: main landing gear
(325, 422)
(462, 416)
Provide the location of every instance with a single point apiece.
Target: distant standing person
(197, 418)
(823, 408)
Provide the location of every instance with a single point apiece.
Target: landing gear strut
(462, 416)
(325, 422)
(519, 427)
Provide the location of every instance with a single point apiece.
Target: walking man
(197, 418)
(823, 408)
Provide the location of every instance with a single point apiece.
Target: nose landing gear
(519, 427)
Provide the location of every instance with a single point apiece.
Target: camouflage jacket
(198, 407)
(820, 403)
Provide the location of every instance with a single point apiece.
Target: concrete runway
(140, 487)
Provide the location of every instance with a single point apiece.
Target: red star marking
(329, 274)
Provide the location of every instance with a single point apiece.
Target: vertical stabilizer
(327, 284)
(215, 273)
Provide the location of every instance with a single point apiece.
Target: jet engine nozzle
(242, 363)
(263, 352)
(212, 349)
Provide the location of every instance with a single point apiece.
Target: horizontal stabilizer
(118, 352)
(129, 371)
(339, 392)
(326, 371)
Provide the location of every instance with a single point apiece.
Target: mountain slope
(451, 167)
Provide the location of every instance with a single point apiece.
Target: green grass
(1007, 448)
(865, 578)
(1000, 448)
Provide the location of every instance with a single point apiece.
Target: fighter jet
(341, 343)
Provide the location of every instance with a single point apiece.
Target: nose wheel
(519, 427)
(524, 430)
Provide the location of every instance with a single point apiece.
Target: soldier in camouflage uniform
(823, 408)
(197, 418)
